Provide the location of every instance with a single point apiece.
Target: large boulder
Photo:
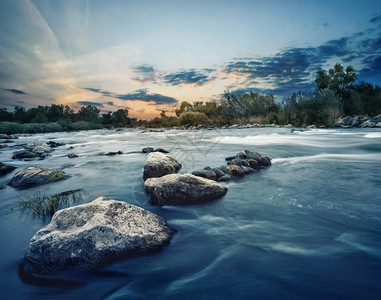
(158, 164)
(94, 234)
(32, 176)
(183, 189)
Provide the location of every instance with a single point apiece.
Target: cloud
(191, 76)
(143, 95)
(144, 73)
(15, 91)
(375, 19)
(294, 68)
(139, 95)
(85, 103)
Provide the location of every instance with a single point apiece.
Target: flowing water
(309, 226)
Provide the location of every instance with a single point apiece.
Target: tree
(89, 113)
(120, 117)
(339, 80)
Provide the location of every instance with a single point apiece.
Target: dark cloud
(104, 93)
(110, 103)
(287, 70)
(334, 48)
(294, 68)
(197, 77)
(139, 95)
(375, 19)
(15, 91)
(85, 103)
(373, 69)
(143, 95)
(144, 73)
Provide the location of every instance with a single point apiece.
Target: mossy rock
(32, 176)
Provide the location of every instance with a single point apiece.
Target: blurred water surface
(309, 226)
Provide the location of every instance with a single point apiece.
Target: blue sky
(151, 55)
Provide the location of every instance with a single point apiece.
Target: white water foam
(326, 156)
(373, 135)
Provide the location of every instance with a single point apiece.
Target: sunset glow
(149, 56)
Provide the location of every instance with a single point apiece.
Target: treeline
(60, 118)
(337, 94)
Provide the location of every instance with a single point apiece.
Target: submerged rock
(114, 153)
(183, 189)
(53, 144)
(32, 176)
(72, 155)
(147, 150)
(5, 169)
(158, 164)
(94, 234)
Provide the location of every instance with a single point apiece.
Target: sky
(150, 55)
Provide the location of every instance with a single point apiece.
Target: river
(309, 226)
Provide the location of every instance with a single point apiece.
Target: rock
(5, 169)
(230, 158)
(208, 174)
(24, 154)
(247, 170)
(348, 122)
(376, 119)
(114, 153)
(32, 151)
(72, 155)
(234, 126)
(368, 124)
(94, 234)
(253, 163)
(53, 144)
(183, 189)
(32, 176)
(160, 150)
(158, 164)
(150, 149)
(147, 150)
(226, 177)
(236, 171)
(40, 150)
(219, 172)
(264, 162)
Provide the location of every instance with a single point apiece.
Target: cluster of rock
(355, 121)
(168, 188)
(94, 234)
(35, 151)
(244, 162)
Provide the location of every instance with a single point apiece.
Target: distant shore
(10, 128)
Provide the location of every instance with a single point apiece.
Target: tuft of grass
(56, 175)
(42, 205)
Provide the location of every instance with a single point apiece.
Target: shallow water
(309, 226)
